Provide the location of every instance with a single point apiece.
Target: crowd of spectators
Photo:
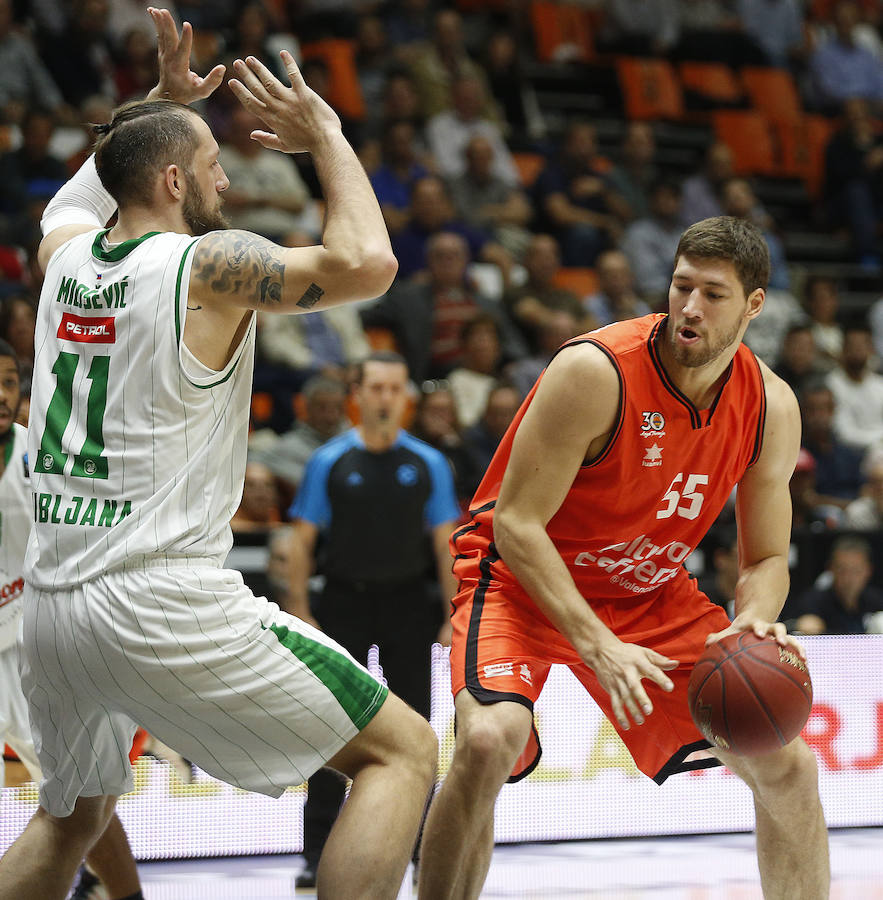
(512, 233)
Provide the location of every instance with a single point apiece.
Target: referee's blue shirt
(375, 509)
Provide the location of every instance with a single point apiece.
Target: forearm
(531, 556)
(762, 590)
(354, 229)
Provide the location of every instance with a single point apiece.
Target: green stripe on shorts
(359, 694)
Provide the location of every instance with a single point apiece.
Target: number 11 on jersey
(90, 461)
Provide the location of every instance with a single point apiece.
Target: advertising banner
(586, 785)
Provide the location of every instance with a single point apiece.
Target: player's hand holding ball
(750, 692)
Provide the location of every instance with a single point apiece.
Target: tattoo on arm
(311, 296)
(241, 263)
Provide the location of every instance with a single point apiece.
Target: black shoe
(88, 887)
(307, 877)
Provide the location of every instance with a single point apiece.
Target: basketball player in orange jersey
(614, 468)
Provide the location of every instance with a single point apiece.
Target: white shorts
(15, 729)
(252, 695)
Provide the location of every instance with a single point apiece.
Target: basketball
(748, 695)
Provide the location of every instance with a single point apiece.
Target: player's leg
(459, 834)
(792, 839)
(44, 859)
(392, 762)
(110, 858)
(349, 623)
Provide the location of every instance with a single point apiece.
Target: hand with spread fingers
(620, 669)
(176, 80)
(298, 116)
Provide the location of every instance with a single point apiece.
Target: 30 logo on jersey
(653, 424)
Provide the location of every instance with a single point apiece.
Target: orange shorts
(503, 648)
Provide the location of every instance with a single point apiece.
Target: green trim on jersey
(187, 250)
(214, 384)
(180, 278)
(359, 694)
(121, 250)
(10, 447)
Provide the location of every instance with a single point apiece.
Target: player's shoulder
(62, 238)
(780, 399)
(580, 360)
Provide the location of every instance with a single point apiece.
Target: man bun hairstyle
(141, 139)
(737, 240)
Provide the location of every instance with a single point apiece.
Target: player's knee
(492, 743)
(421, 748)
(87, 821)
(792, 770)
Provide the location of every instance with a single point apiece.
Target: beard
(701, 355)
(199, 218)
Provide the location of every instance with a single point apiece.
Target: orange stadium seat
(340, 57)
(529, 165)
(562, 31)
(747, 134)
(380, 338)
(772, 92)
(802, 149)
(580, 280)
(822, 10)
(715, 81)
(650, 88)
(261, 408)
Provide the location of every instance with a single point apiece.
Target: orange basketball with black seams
(749, 695)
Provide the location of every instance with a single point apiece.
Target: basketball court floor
(706, 867)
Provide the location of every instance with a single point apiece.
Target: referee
(385, 506)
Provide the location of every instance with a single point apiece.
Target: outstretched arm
(237, 269)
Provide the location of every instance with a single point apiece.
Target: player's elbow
(369, 274)
(507, 526)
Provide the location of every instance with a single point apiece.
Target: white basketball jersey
(137, 450)
(15, 525)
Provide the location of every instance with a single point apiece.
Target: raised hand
(297, 115)
(176, 80)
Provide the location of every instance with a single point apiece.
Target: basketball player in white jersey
(111, 856)
(137, 442)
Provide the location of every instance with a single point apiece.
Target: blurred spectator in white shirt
(858, 391)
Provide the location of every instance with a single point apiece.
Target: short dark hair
(322, 384)
(798, 328)
(737, 240)
(478, 321)
(381, 356)
(6, 350)
(142, 138)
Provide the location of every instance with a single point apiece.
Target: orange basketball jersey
(634, 514)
